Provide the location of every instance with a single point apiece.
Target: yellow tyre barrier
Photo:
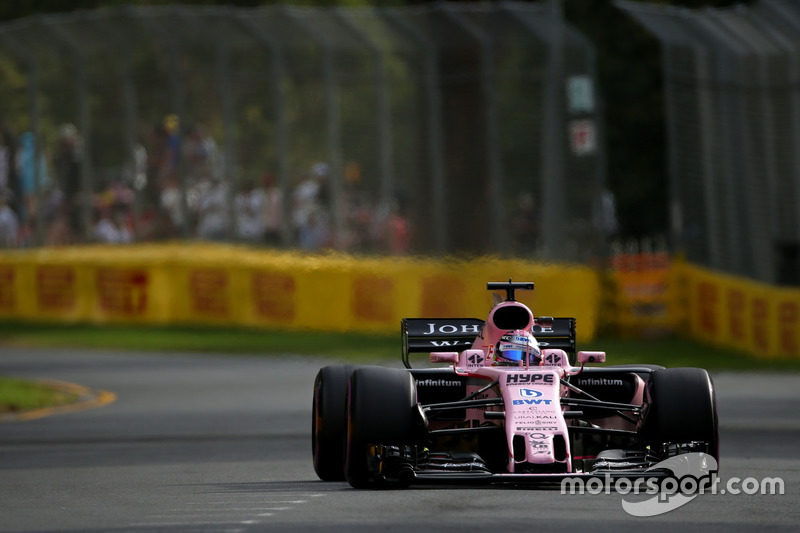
(231, 285)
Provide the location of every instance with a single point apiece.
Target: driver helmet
(515, 346)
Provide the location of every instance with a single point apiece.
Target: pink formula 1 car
(515, 403)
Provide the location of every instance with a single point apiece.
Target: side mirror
(444, 357)
(544, 322)
(591, 357)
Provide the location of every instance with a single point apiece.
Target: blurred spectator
(199, 153)
(163, 157)
(58, 228)
(156, 225)
(316, 233)
(249, 207)
(170, 203)
(362, 228)
(113, 211)
(9, 223)
(28, 167)
(272, 213)
(311, 198)
(360, 225)
(111, 226)
(321, 172)
(211, 207)
(135, 169)
(116, 194)
(9, 182)
(67, 164)
(160, 163)
(172, 156)
(304, 200)
(56, 219)
(398, 229)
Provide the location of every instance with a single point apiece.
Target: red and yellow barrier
(641, 293)
(735, 312)
(231, 285)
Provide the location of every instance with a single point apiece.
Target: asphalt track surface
(198, 443)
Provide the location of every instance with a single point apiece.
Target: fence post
(168, 37)
(433, 100)
(499, 240)
(84, 123)
(333, 119)
(128, 98)
(553, 178)
(265, 39)
(383, 116)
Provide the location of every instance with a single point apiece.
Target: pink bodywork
(531, 394)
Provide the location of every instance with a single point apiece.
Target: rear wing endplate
(425, 335)
(560, 336)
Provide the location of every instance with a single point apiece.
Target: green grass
(670, 352)
(359, 347)
(18, 395)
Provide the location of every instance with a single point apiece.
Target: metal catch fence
(450, 128)
(732, 94)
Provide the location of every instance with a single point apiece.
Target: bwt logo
(531, 393)
(537, 401)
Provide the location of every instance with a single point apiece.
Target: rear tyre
(380, 411)
(329, 421)
(683, 408)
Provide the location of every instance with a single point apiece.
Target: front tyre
(683, 409)
(380, 411)
(329, 421)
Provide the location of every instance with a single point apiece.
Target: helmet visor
(512, 355)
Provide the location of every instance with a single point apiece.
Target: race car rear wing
(425, 335)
